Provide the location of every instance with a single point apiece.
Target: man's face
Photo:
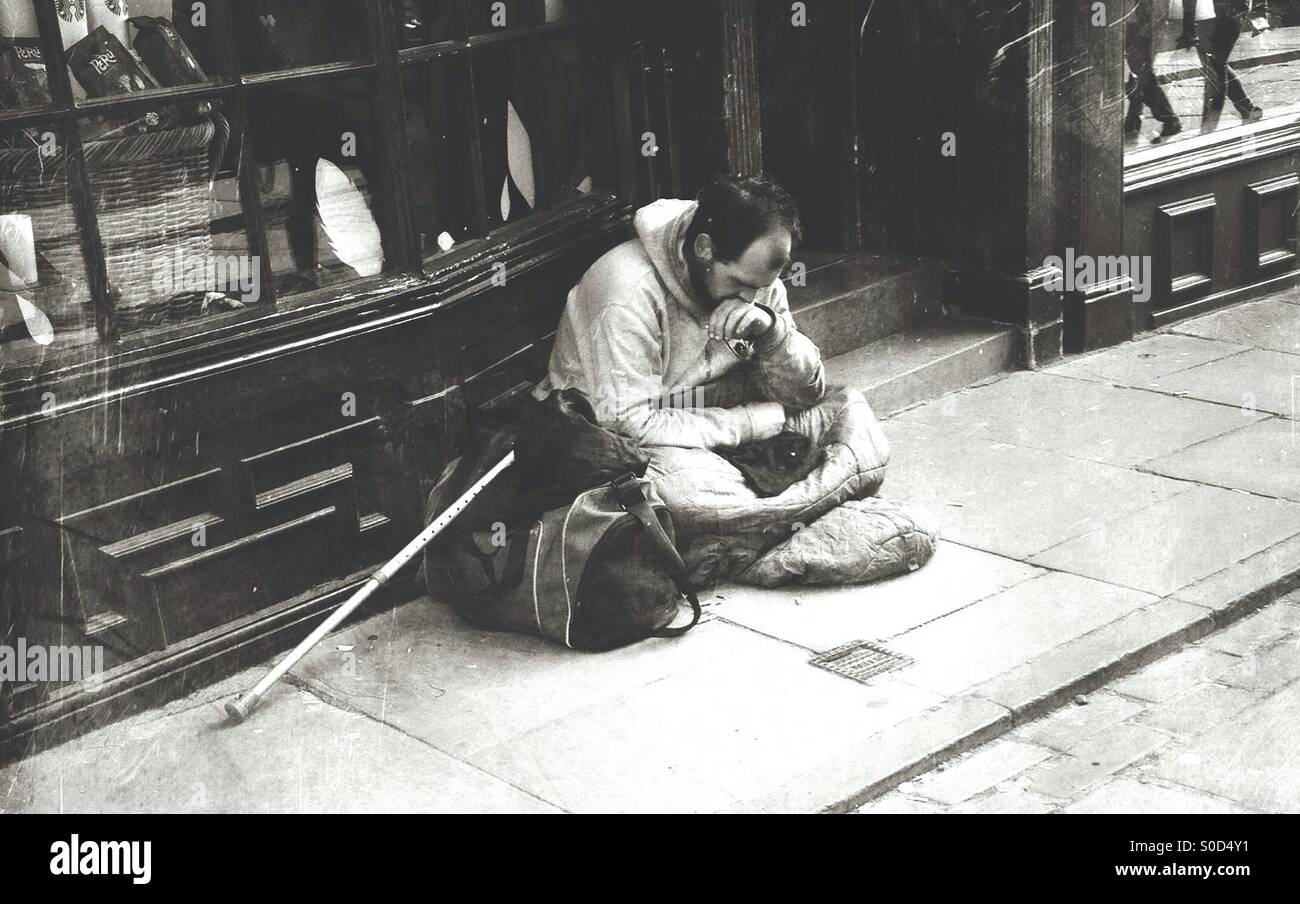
(756, 268)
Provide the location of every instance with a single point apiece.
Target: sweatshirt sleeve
(789, 363)
(626, 377)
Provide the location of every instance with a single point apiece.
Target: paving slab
(1013, 802)
(295, 755)
(1072, 724)
(1256, 380)
(1250, 759)
(463, 690)
(703, 740)
(1175, 675)
(1177, 540)
(856, 775)
(1146, 360)
(1268, 669)
(1199, 710)
(1008, 499)
(1127, 795)
(1250, 583)
(821, 618)
(1267, 323)
(1262, 457)
(1079, 418)
(979, 771)
(1095, 759)
(1085, 662)
(1009, 628)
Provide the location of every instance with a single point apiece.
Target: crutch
(240, 709)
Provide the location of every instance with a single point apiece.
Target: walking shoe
(1170, 126)
(1132, 126)
(1251, 113)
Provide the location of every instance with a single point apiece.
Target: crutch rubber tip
(238, 710)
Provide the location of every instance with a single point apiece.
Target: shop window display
(168, 167)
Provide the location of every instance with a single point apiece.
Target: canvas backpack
(598, 573)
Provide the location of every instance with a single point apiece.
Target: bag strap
(632, 497)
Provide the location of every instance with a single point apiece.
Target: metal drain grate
(860, 661)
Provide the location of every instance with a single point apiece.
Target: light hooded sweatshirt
(634, 338)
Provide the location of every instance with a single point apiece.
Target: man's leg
(1212, 66)
(1224, 42)
(1137, 52)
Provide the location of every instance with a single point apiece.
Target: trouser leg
(1228, 35)
(1155, 97)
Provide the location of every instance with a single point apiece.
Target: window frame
(415, 282)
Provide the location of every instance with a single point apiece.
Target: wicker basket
(153, 198)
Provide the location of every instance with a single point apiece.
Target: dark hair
(735, 211)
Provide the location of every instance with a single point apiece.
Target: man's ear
(704, 248)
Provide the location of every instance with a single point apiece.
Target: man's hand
(736, 319)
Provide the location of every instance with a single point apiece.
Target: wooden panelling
(1249, 226)
(219, 585)
(1183, 267)
(1271, 205)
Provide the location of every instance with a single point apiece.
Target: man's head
(740, 238)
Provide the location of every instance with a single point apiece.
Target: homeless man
(682, 340)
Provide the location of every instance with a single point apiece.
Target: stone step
(848, 301)
(924, 363)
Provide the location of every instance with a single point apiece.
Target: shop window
(508, 123)
(532, 125)
(291, 34)
(438, 121)
(422, 22)
(167, 207)
(1200, 68)
(217, 162)
(566, 107)
(45, 299)
(318, 164)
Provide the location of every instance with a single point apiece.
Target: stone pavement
(1097, 516)
(1210, 729)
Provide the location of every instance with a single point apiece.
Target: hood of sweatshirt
(661, 227)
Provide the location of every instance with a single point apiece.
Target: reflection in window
(508, 124)
(319, 170)
(286, 34)
(45, 298)
(534, 133)
(440, 196)
(566, 130)
(1202, 66)
(422, 22)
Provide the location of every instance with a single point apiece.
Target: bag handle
(632, 498)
